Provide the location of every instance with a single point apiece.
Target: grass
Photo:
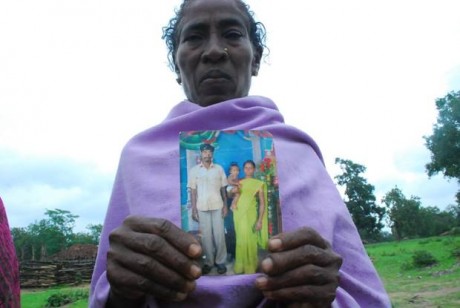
(408, 286)
(39, 298)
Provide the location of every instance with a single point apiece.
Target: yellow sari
(245, 217)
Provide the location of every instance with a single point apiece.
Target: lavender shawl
(147, 183)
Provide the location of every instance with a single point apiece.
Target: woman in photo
(250, 218)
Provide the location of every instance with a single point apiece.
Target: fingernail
(261, 282)
(267, 265)
(180, 297)
(190, 286)
(268, 294)
(195, 271)
(194, 250)
(275, 244)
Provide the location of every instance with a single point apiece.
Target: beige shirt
(207, 183)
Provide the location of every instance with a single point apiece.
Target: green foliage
(437, 285)
(48, 236)
(408, 219)
(455, 231)
(454, 210)
(456, 252)
(58, 300)
(360, 199)
(46, 297)
(63, 298)
(95, 232)
(423, 258)
(444, 143)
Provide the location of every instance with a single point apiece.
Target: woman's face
(215, 57)
(249, 169)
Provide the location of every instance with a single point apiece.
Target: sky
(79, 78)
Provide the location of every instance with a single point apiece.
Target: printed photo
(229, 197)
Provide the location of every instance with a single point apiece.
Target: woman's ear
(178, 79)
(256, 63)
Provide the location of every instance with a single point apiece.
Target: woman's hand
(151, 256)
(301, 270)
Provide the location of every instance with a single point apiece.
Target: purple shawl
(147, 183)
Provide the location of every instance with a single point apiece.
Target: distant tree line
(42, 239)
(406, 217)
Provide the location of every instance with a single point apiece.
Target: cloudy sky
(79, 78)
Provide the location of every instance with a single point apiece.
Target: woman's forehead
(203, 13)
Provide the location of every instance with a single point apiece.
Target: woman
(250, 218)
(9, 267)
(144, 259)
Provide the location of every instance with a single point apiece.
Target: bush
(456, 252)
(58, 300)
(423, 258)
(455, 231)
(61, 299)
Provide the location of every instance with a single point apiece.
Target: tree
(408, 218)
(360, 199)
(95, 232)
(22, 242)
(63, 221)
(403, 213)
(433, 221)
(49, 236)
(444, 143)
(91, 237)
(454, 210)
(45, 237)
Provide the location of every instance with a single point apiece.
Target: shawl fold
(147, 183)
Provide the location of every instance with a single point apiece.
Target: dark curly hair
(257, 31)
(251, 162)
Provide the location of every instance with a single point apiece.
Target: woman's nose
(215, 51)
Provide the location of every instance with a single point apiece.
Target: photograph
(229, 197)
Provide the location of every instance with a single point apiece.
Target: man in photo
(207, 182)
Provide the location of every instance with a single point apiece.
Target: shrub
(455, 231)
(58, 300)
(423, 258)
(456, 252)
(61, 299)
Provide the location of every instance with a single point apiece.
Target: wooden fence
(44, 274)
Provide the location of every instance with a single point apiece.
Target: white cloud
(29, 185)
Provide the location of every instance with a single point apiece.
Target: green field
(434, 286)
(39, 298)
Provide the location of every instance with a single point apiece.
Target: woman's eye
(233, 35)
(192, 38)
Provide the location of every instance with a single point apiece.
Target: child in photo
(233, 184)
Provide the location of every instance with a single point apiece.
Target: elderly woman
(144, 259)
